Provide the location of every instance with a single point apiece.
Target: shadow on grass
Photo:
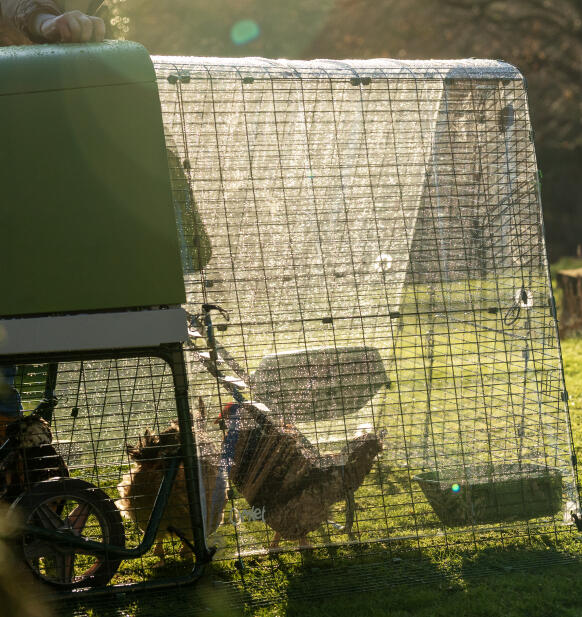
(358, 581)
(332, 573)
(210, 596)
(491, 582)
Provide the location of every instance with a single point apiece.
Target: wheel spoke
(64, 568)
(48, 518)
(69, 568)
(77, 519)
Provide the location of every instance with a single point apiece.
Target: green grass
(525, 577)
(535, 576)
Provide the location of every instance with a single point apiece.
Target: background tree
(543, 38)
(546, 37)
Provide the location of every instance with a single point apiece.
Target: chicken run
(329, 323)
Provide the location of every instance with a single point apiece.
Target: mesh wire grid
(107, 410)
(376, 237)
(373, 230)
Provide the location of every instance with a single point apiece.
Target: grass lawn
(513, 577)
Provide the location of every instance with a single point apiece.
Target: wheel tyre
(32, 505)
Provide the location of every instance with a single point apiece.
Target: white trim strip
(96, 331)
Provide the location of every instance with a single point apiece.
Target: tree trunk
(570, 282)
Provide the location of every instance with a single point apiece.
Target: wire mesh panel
(107, 449)
(373, 230)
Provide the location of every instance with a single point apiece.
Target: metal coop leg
(191, 464)
(47, 406)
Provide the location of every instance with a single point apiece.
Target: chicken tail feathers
(360, 455)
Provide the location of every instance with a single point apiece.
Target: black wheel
(69, 505)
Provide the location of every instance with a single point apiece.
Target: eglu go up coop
(371, 356)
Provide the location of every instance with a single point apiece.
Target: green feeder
(483, 494)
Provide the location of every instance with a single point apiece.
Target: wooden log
(570, 282)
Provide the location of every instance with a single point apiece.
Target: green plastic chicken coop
(92, 285)
(87, 218)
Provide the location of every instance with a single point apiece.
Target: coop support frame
(173, 355)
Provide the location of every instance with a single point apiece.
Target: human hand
(70, 27)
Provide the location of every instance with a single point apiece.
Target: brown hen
(278, 471)
(138, 488)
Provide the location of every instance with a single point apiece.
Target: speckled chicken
(31, 457)
(281, 473)
(138, 488)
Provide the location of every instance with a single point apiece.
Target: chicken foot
(303, 542)
(185, 553)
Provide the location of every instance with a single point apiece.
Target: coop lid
(39, 68)
(87, 217)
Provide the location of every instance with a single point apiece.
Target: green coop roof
(38, 68)
(87, 217)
